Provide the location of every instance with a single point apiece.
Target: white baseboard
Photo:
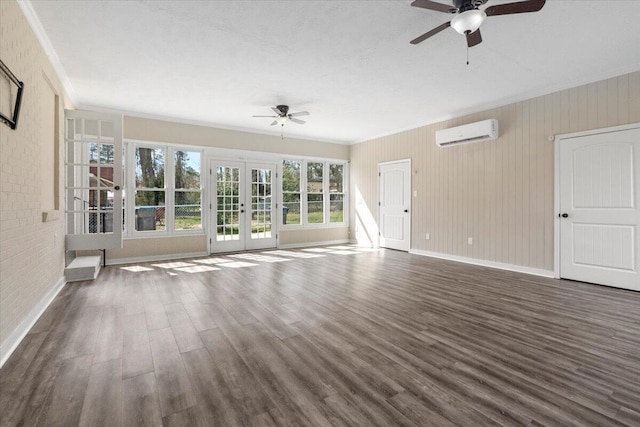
(135, 260)
(492, 264)
(9, 346)
(309, 244)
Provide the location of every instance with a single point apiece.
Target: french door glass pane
(227, 206)
(261, 198)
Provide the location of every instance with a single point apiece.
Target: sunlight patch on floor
(237, 264)
(260, 258)
(217, 260)
(136, 268)
(173, 264)
(293, 254)
(196, 269)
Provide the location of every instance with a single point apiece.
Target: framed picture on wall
(10, 96)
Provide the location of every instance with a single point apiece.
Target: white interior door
(395, 205)
(94, 180)
(243, 205)
(599, 215)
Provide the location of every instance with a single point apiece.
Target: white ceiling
(349, 63)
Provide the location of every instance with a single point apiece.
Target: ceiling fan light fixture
(469, 20)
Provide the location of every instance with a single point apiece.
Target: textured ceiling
(349, 63)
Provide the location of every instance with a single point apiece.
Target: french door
(243, 206)
(93, 180)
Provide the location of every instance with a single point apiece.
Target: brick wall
(31, 251)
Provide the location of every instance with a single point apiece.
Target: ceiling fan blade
(294, 120)
(278, 112)
(273, 123)
(511, 8)
(300, 113)
(432, 5)
(431, 33)
(474, 38)
(273, 117)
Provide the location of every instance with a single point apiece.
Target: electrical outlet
(427, 236)
(470, 241)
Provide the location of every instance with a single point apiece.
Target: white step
(83, 268)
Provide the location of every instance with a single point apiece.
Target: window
(187, 193)
(150, 193)
(165, 187)
(336, 193)
(291, 186)
(315, 197)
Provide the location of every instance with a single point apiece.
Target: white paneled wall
(501, 192)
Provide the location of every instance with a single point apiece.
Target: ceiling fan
(469, 17)
(283, 115)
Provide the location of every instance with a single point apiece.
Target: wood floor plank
(327, 336)
(190, 417)
(174, 388)
(141, 404)
(64, 403)
(102, 404)
(110, 337)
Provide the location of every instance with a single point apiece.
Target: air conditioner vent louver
(485, 130)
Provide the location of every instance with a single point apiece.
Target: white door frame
(75, 240)
(410, 198)
(556, 203)
(244, 164)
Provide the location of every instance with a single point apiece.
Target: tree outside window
(187, 193)
(150, 191)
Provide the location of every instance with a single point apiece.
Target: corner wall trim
(484, 263)
(9, 346)
(134, 260)
(309, 244)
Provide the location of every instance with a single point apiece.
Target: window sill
(48, 216)
(163, 235)
(312, 227)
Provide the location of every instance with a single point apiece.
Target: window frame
(304, 224)
(129, 231)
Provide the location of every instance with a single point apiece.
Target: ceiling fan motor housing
(464, 5)
(284, 109)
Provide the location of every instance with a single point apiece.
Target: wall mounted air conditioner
(473, 132)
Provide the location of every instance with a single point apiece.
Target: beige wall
(31, 251)
(316, 235)
(501, 192)
(143, 129)
(160, 247)
(180, 133)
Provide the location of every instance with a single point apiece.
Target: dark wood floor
(327, 336)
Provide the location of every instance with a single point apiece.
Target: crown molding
(41, 35)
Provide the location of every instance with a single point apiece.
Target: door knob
(117, 187)
(241, 210)
(406, 210)
(565, 215)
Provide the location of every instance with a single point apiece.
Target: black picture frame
(13, 121)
